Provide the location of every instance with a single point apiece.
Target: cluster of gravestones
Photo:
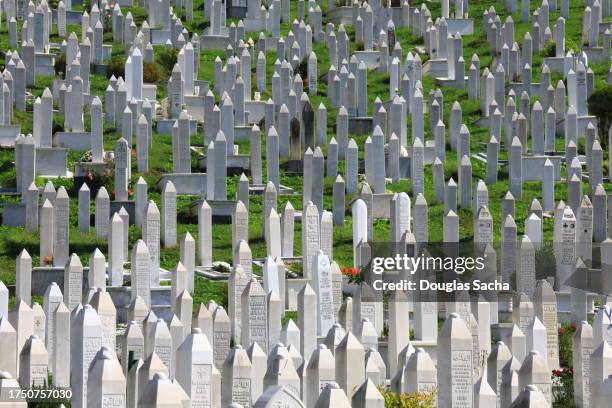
(122, 331)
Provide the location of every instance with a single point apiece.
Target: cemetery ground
(13, 240)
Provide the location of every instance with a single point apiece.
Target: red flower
(354, 271)
(562, 330)
(345, 270)
(574, 326)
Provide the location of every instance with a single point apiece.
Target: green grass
(12, 240)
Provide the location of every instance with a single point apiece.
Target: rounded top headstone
(196, 330)
(454, 316)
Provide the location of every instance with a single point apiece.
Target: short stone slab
(45, 64)
(214, 42)
(160, 37)
(430, 152)
(8, 133)
(45, 58)
(361, 125)
(271, 43)
(130, 207)
(559, 64)
(293, 166)
(564, 297)
(149, 91)
(465, 26)
(79, 141)
(242, 133)
(436, 68)
(99, 69)
(202, 85)
(256, 109)
(237, 12)
(164, 126)
(595, 54)
(452, 82)
(185, 183)
(583, 122)
(369, 58)
(222, 209)
(382, 206)
(254, 24)
(14, 214)
(340, 15)
(533, 167)
(52, 161)
(72, 16)
(46, 70)
(160, 299)
(236, 162)
(43, 276)
(603, 26)
(431, 347)
(194, 105)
